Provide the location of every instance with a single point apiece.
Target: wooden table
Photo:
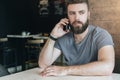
(33, 74)
(18, 42)
(40, 37)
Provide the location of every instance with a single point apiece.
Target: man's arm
(48, 54)
(104, 65)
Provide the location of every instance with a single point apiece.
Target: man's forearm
(93, 68)
(45, 58)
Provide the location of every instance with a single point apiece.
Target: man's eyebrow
(82, 11)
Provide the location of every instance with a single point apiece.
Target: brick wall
(106, 14)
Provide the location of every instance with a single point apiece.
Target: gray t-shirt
(87, 50)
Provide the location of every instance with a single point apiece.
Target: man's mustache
(77, 22)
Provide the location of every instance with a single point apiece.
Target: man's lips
(77, 22)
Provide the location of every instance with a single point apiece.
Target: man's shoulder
(98, 29)
(100, 33)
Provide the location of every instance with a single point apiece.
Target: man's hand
(54, 71)
(58, 29)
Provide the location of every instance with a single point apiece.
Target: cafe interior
(25, 26)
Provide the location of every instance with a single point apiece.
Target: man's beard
(78, 29)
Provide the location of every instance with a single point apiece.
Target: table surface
(27, 36)
(19, 36)
(33, 74)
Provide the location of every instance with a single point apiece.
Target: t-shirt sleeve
(57, 45)
(103, 39)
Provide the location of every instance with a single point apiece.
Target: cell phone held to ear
(66, 27)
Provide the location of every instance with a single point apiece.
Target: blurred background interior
(38, 17)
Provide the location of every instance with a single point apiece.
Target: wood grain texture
(106, 14)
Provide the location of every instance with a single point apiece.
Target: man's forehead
(78, 6)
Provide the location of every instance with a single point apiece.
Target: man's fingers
(48, 73)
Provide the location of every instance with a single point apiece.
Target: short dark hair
(76, 1)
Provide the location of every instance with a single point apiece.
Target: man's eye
(81, 12)
(71, 13)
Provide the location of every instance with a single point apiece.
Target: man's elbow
(108, 73)
(42, 65)
(108, 70)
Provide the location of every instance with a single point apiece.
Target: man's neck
(79, 37)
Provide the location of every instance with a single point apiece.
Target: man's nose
(77, 16)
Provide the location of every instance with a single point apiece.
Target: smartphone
(66, 27)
